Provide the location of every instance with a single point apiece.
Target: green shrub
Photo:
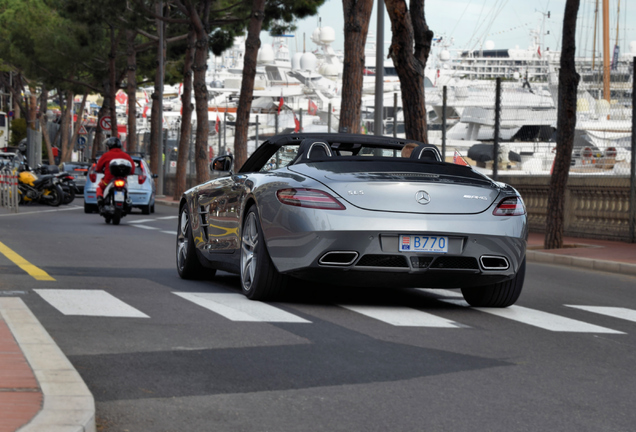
(18, 131)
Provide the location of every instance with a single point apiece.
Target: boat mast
(606, 52)
(594, 41)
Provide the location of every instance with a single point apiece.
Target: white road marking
(22, 213)
(89, 303)
(145, 227)
(141, 221)
(237, 307)
(402, 316)
(170, 232)
(614, 312)
(167, 217)
(546, 320)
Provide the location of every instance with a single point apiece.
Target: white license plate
(119, 196)
(422, 243)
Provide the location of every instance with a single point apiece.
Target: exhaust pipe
(338, 258)
(489, 262)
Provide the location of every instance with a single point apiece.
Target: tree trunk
(156, 123)
(112, 78)
(410, 62)
(44, 98)
(186, 120)
(131, 89)
(357, 15)
(566, 124)
(202, 159)
(97, 140)
(78, 123)
(67, 112)
(252, 45)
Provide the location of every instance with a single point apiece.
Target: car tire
(188, 264)
(152, 208)
(497, 295)
(145, 209)
(259, 278)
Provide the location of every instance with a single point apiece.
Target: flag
(614, 63)
(312, 108)
(144, 114)
(539, 51)
(459, 160)
(296, 123)
(218, 120)
(281, 102)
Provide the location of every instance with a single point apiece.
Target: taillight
(92, 177)
(512, 206)
(310, 198)
(141, 178)
(120, 183)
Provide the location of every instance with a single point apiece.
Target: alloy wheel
(182, 240)
(249, 256)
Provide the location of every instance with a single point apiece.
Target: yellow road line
(32, 270)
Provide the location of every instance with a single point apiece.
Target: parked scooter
(38, 188)
(65, 181)
(117, 203)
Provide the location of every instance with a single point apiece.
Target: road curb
(167, 203)
(68, 405)
(586, 263)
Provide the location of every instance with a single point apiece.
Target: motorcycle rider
(103, 165)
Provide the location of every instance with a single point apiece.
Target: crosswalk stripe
(614, 312)
(546, 320)
(237, 307)
(145, 227)
(402, 316)
(89, 303)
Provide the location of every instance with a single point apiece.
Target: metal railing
(9, 189)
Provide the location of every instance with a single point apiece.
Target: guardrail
(9, 189)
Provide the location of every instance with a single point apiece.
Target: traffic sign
(82, 130)
(104, 123)
(81, 141)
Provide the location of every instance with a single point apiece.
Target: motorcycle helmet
(113, 142)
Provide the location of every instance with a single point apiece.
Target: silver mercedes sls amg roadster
(352, 210)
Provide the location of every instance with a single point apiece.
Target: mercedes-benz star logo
(422, 197)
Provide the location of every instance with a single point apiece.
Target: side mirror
(222, 163)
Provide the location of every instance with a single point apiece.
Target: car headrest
(313, 149)
(425, 152)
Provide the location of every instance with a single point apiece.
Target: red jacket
(104, 162)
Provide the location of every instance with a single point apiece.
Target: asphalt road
(163, 354)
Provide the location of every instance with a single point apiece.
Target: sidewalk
(40, 388)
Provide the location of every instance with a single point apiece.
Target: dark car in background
(78, 170)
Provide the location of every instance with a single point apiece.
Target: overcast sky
(471, 22)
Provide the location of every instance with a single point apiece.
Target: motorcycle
(33, 188)
(117, 203)
(65, 181)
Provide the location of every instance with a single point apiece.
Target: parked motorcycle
(38, 188)
(65, 181)
(117, 203)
